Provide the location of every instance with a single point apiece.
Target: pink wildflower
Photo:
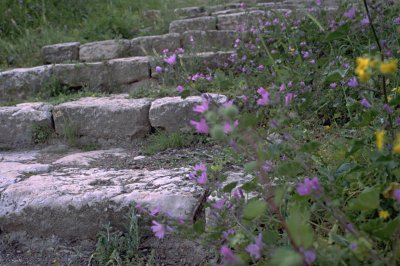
(171, 60)
(158, 229)
(201, 126)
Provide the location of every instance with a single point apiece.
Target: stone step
(108, 76)
(195, 19)
(105, 121)
(70, 198)
(72, 194)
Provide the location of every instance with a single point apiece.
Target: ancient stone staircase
(51, 189)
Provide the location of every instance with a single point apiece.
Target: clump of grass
(162, 140)
(121, 248)
(26, 26)
(143, 92)
(41, 133)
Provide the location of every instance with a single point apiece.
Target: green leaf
(340, 33)
(290, 168)
(299, 228)
(313, 19)
(250, 186)
(345, 168)
(228, 188)
(386, 231)
(250, 167)
(253, 209)
(310, 147)
(380, 229)
(248, 120)
(333, 77)
(286, 257)
(356, 146)
(199, 226)
(368, 200)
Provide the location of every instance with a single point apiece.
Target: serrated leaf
(310, 147)
(299, 228)
(254, 209)
(286, 257)
(367, 200)
(250, 186)
(290, 168)
(228, 188)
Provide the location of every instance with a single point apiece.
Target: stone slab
(150, 45)
(106, 76)
(17, 123)
(103, 50)
(240, 21)
(173, 114)
(21, 83)
(76, 203)
(213, 40)
(61, 52)
(113, 119)
(200, 23)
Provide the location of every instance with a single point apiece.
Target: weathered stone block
(201, 23)
(240, 21)
(75, 203)
(62, 52)
(106, 118)
(103, 75)
(17, 123)
(189, 12)
(148, 45)
(103, 50)
(174, 113)
(22, 82)
(209, 40)
(202, 61)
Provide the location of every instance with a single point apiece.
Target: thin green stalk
(384, 90)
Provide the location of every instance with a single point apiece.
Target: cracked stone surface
(174, 113)
(107, 118)
(71, 198)
(62, 52)
(17, 123)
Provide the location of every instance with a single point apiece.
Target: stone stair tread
(106, 121)
(75, 202)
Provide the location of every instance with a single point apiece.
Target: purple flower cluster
(255, 249)
(199, 173)
(308, 186)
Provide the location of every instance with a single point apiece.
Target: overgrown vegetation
(41, 133)
(27, 25)
(121, 248)
(162, 140)
(316, 118)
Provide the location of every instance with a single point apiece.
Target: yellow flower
(389, 98)
(384, 215)
(363, 63)
(292, 51)
(389, 67)
(396, 90)
(396, 145)
(363, 76)
(380, 139)
(362, 70)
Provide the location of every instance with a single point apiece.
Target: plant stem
(382, 59)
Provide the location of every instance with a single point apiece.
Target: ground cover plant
(314, 112)
(28, 25)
